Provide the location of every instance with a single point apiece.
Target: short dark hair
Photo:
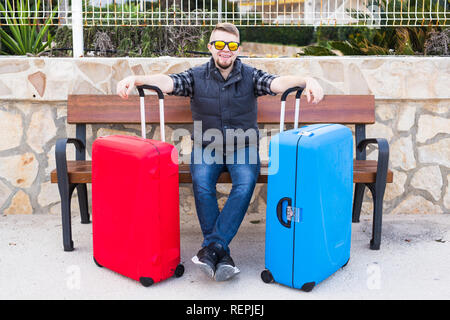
(226, 27)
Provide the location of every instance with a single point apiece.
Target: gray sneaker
(225, 269)
(206, 259)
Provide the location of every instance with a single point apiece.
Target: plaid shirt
(183, 83)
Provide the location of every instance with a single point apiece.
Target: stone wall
(412, 113)
(266, 50)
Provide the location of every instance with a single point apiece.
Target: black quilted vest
(224, 104)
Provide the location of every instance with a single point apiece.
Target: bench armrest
(383, 157)
(61, 158)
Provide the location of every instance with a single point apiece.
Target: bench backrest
(97, 109)
(345, 109)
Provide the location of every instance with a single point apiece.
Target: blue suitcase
(309, 202)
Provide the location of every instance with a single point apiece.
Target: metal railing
(35, 12)
(239, 12)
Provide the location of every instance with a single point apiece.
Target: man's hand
(314, 90)
(125, 86)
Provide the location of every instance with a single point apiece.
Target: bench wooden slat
(344, 109)
(106, 109)
(79, 171)
(364, 171)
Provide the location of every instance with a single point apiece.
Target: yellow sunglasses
(220, 45)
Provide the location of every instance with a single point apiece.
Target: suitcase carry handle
(297, 106)
(280, 211)
(161, 109)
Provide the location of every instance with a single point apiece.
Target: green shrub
(22, 37)
(299, 36)
(138, 41)
(438, 42)
(317, 51)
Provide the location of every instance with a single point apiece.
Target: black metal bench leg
(357, 201)
(66, 198)
(378, 188)
(376, 228)
(66, 224)
(66, 189)
(375, 242)
(83, 202)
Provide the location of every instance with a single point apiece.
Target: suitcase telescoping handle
(161, 108)
(297, 106)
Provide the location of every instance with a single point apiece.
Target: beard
(224, 66)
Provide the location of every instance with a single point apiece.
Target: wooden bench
(357, 110)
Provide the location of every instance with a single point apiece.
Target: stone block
(356, 83)
(447, 195)
(13, 65)
(402, 154)
(94, 71)
(20, 170)
(429, 126)
(38, 80)
(41, 130)
(11, 130)
(102, 132)
(386, 111)
(20, 204)
(397, 188)
(437, 153)
(429, 179)
(4, 89)
(4, 193)
(406, 118)
(332, 70)
(416, 205)
(379, 130)
(49, 194)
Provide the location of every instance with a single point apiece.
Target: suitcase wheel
(98, 264)
(267, 277)
(179, 271)
(307, 287)
(346, 263)
(146, 282)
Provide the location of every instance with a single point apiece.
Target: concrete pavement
(413, 263)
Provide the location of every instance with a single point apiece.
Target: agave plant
(24, 38)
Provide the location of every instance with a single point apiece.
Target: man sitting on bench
(223, 101)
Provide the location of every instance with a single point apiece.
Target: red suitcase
(135, 204)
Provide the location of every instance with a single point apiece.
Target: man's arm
(162, 81)
(312, 87)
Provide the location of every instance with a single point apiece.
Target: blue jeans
(243, 166)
